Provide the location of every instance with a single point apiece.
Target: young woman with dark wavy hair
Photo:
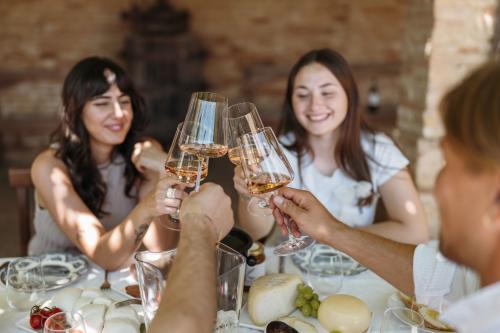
(93, 192)
(337, 157)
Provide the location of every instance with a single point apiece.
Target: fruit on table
(344, 313)
(38, 315)
(307, 301)
(272, 296)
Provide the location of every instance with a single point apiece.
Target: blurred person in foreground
(189, 302)
(468, 194)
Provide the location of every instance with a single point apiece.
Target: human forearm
(397, 231)
(116, 246)
(189, 303)
(159, 238)
(257, 226)
(393, 261)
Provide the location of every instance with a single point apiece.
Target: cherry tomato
(36, 321)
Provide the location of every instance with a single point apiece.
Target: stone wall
(443, 41)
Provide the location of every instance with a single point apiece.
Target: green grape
(300, 301)
(306, 310)
(336, 331)
(308, 296)
(314, 313)
(300, 287)
(308, 290)
(314, 304)
(315, 296)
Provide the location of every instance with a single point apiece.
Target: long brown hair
(471, 115)
(86, 80)
(349, 154)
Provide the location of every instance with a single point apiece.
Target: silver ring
(170, 194)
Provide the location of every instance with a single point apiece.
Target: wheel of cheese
(271, 297)
(344, 313)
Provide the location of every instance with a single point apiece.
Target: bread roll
(271, 297)
(344, 313)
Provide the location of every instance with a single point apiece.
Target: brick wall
(251, 45)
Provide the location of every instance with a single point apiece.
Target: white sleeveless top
(49, 238)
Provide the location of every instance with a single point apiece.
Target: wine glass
(239, 119)
(402, 320)
(24, 283)
(185, 167)
(65, 322)
(203, 130)
(324, 269)
(266, 169)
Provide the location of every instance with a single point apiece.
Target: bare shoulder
(46, 165)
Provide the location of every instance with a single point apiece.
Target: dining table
(367, 286)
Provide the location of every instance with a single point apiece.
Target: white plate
(59, 269)
(23, 323)
(394, 301)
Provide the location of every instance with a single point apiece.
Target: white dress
(49, 238)
(338, 192)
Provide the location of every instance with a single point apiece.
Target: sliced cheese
(65, 299)
(82, 301)
(102, 300)
(93, 314)
(92, 293)
(120, 325)
(124, 312)
(271, 297)
(300, 325)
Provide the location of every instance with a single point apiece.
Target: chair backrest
(20, 181)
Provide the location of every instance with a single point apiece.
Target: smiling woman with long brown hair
(337, 157)
(93, 194)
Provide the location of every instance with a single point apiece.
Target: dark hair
(471, 115)
(349, 154)
(86, 80)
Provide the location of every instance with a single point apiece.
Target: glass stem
(198, 175)
(291, 237)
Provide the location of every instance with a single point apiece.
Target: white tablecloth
(367, 286)
(93, 279)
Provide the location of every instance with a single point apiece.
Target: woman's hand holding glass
(185, 168)
(167, 196)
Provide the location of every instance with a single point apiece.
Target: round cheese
(344, 313)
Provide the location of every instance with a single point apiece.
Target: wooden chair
(20, 181)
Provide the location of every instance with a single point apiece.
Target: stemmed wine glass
(203, 130)
(185, 167)
(240, 119)
(65, 322)
(24, 282)
(266, 169)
